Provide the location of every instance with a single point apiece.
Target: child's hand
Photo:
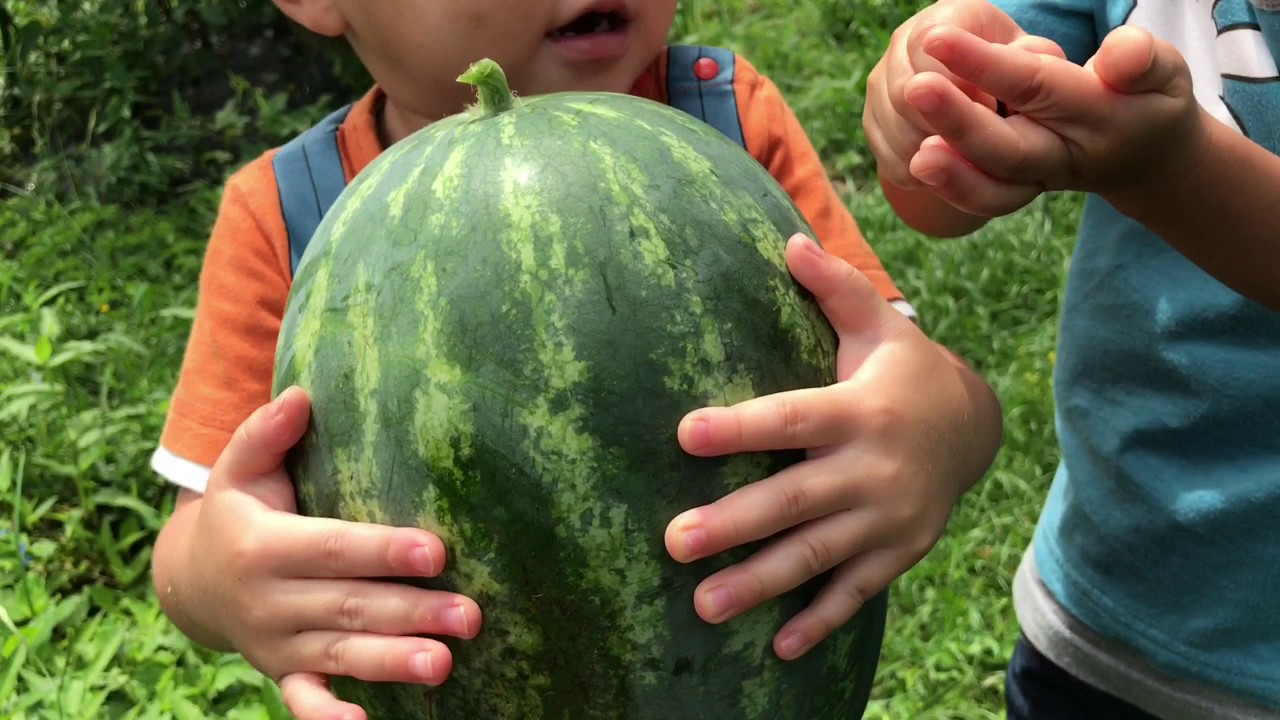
(891, 447)
(894, 127)
(1127, 119)
(286, 591)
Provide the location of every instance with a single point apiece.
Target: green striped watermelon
(501, 323)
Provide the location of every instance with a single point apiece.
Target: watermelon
(500, 323)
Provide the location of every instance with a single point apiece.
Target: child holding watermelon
(892, 446)
(1150, 587)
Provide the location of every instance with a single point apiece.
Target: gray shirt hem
(1113, 669)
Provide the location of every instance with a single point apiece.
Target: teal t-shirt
(1162, 528)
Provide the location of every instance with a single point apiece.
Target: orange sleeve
(227, 369)
(774, 136)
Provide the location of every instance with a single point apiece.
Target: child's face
(417, 48)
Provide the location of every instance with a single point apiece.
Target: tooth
(602, 25)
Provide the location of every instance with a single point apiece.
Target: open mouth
(592, 22)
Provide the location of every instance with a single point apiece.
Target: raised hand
(894, 127)
(1128, 118)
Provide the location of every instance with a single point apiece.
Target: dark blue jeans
(1037, 689)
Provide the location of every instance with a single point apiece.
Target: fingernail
(421, 665)
(813, 247)
(694, 540)
(456, 619)
(697, 434)
(277, 404)
(421, 559)
(932, 178)
(790, 646)
(933, 44)
(718, 602)
(925, 100)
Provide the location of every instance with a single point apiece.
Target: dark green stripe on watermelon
(501, 323)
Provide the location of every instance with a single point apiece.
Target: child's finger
(797, 419)
(802, 554)
(850, 587)
(370, 657)
(992, 24)
(308, 697)
(315, 547)
(847, 298)
(1039, 44)
(964, 186)
(1034, 44)
(383, 607)
(760, 509)
(892, 138)
(1030, 83)
(1014, 151)
(810, 417)
(1131, 60)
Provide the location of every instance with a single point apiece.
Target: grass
(95, 304)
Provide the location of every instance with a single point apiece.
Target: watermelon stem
(491, 82)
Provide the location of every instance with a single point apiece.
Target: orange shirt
(227, 370)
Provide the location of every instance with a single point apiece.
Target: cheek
(473, 20)
(483, 29)
(655, 30)
(664, 14)
(494, 23)
(512, 36)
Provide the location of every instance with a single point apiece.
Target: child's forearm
(929, 214)
(1222, 215)
(170, 561)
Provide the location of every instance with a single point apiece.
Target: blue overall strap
(700, 82)
(310, 177)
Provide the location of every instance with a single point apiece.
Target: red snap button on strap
(706, 68)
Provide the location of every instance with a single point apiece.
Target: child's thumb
(259, 445)
(847, 297)
(1132, 60)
